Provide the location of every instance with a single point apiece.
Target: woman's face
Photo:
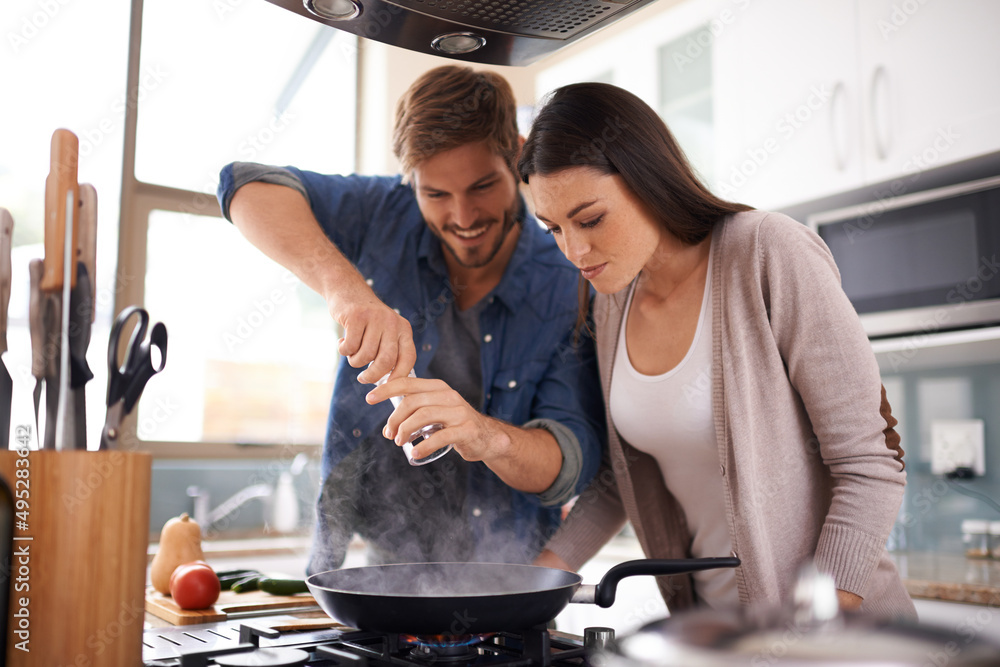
(599, 224)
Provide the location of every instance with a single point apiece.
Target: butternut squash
(180, 543)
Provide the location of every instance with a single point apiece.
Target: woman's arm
(832, 367)
(596, 517)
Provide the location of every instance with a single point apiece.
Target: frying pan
(472, 598)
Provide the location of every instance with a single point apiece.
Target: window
(686, 99)
(252, 352)
(222, 81)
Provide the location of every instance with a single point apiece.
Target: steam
(407, 514)
(444, 580)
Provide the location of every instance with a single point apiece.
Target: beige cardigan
(811, 463)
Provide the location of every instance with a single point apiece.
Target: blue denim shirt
(533, 366)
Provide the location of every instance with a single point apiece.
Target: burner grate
(168, 645)
(229, 643)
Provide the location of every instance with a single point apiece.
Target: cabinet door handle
(838, 126)
(881, 130)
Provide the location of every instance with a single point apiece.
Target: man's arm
(526, 459)
(279, 221)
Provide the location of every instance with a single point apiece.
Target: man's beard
(510, 218)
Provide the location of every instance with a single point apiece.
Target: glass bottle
(995, 539)
(975, 538)
(417, 437)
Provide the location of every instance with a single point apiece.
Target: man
(441, 271)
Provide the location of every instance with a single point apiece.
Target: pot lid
(808, 632)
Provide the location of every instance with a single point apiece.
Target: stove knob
(598, 639)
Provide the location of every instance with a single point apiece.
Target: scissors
(126, 381)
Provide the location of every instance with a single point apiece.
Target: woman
(745, 409)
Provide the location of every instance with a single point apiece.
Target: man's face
(468, 197)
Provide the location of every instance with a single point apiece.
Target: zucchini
(232, 573)
(282, 586)
(230, 577)
(246, 584)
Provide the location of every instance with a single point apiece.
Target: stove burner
(238, 644)
(264, 657)
(460, 653)
(453, 648)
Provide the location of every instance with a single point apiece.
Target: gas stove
(255, 642)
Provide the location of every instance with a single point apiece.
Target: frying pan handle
(605, 590)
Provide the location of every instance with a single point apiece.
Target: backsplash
(934, 507)
(222, 480)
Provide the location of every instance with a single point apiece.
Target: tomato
(194, 585)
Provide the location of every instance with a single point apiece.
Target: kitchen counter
(926, 575)
(286, 557)
(950, 577)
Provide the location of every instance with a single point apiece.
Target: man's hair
(451, 106)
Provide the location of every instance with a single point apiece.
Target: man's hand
(373, 334)
(280, 222)
(427, 401)
(526, 459)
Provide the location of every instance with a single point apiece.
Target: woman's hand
(849, 601)
(549, 559)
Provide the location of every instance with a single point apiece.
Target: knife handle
(88, 239)
(6, 233)
(35, 270)
(60, 188)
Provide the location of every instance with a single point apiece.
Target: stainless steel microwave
(922, 262)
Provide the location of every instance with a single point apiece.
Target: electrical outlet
(957, 443)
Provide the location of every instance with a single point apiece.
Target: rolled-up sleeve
(569, 405)
(564, 486)
(234, 176)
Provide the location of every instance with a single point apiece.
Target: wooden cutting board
(164, 607)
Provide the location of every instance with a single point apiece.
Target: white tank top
(670, 417)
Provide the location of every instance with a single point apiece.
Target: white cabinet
(822, 96)
(931, 74)
(785, 93)
(808, 98)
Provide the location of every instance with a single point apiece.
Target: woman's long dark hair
(607, 128)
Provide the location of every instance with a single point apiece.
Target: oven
(922, 262)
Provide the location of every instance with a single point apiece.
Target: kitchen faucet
(202, 501)
(281, 503)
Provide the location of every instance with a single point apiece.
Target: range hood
(498, 32)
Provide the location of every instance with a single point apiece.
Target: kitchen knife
(61, 243)
(82, 314)
(88, 240)
(81, 305)
(6, 382)
(61, 189)
(44, 324)
(37, 331)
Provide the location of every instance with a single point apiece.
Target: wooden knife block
(88, 524)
